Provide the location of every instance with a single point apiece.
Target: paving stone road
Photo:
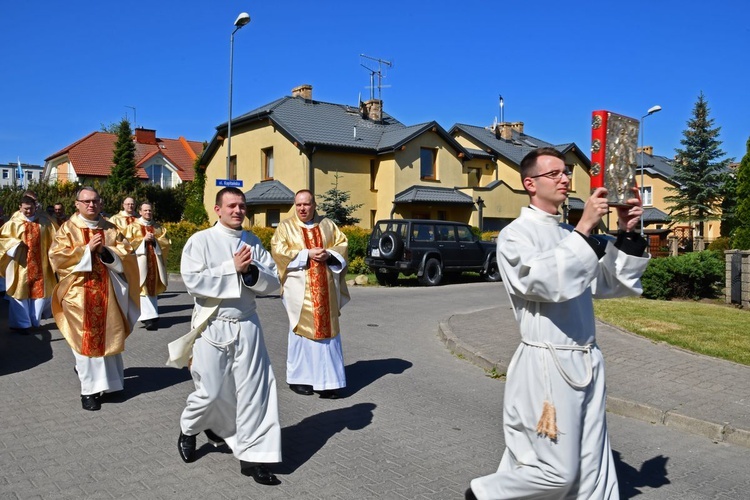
(417, 422)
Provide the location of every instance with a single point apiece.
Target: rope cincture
(547, 425)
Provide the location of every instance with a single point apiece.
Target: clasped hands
(96, 243)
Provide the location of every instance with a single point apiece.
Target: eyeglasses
(88, 202)
(555, 175)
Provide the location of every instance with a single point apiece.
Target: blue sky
(69, 67)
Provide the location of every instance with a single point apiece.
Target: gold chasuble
(315, 296)
(152, 267)
(92, 301)
(122, 220)
(28, 275)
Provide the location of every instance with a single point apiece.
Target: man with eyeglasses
(24, 242)
(555, 429)
(126, 216)
(151, 245)
(94, 305)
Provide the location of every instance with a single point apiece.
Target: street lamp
(651, 111)
(241, 21)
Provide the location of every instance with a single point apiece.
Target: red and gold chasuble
(34, 271)
(96, 294)
(317, 279)
(151, 276)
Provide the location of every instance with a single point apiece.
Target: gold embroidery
(96, 287)
(317, 275)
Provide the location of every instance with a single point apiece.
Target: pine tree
(729, 220)
(334, 205)
(122, 178)
(195, 211)
(697, 173)
(741, 234)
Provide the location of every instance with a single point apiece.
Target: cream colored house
(469, 174)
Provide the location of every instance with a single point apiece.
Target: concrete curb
(717, 432)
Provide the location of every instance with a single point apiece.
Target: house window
(267, 163)
(442, 215)
(159, 175)
(571, 168)
(5, 173)
(427, 163)
(373, 174)
(273, 216)
(648, 198)
(232, 174)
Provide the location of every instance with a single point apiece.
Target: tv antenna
(373, 72)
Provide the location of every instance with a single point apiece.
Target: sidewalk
(649, 381)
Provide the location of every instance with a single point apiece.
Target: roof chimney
(304, 91)
(649, 150)
(372, 110)
(503, 130)
(517, 126)
(145, 136)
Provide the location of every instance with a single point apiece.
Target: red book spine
(598, 147)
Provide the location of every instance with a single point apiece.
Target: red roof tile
(92, 155)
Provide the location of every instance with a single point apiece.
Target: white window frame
(648, 196)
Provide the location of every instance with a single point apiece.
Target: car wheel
(493, 272)
(390, 245)
(386, 278)
(433, 273)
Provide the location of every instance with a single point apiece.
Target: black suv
(430, 249)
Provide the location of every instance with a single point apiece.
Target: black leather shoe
(90, 402)
(186, 447)
(330, 394)
(260, 473)
(304, 390)
(469, 495)
(214, 438)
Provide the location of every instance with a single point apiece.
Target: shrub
(489, 235)
(265, 234)
(692, 275)
(178, 233)
(720, 244)
(359, 238)
(357, 265)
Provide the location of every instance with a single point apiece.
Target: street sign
(235, 183)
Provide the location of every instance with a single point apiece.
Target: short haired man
(151, 245)
(95, 304)
(310, 253)
(556, 438)
(224, 268)
(126, 216)
(24, 242)
(58, 211)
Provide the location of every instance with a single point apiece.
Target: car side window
(445, 233)
(422, 232)
(464, 234)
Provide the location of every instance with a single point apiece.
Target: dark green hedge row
(694, 275)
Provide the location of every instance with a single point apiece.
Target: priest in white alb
(310, 253)
(224, 269)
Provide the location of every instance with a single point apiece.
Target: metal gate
(735, 274)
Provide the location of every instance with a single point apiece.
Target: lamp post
(651, 111)
(241, 21)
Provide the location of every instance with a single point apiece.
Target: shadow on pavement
(652, 474)
(23, 352)
(145, 379)
(363, 373)
(300, 442)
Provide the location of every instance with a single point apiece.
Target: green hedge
(692, 275)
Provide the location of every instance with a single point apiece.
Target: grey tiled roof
(656, 165)
(269, 193)
(320, 124)
(516, 148)
(426, 194)
(653, 214)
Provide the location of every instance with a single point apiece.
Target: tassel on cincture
(547, 425)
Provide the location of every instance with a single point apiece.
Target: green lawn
(713, 329)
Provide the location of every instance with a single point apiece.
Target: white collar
(236, 233)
